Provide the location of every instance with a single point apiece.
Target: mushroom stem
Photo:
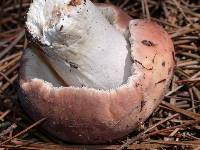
(82, 46)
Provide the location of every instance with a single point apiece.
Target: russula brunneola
(91, 70)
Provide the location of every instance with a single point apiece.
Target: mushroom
(91, 70)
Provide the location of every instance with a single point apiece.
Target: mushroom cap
(91, 116)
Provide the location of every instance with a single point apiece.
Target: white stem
(82, 46)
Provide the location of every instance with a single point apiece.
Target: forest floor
(173, 125)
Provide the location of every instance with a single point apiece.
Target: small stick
(4, 114)
(10, 70)
(143, 9)
(185, 30)
(192, 98)
(11, 57)
(9, 129)
(6, 50)
(165, 23)
(11, 63)
(6, 85)
(147, 10)
(192, 55)
(182, 111)
(188, 47)
(181, 10)
(194, 62)
(181, 42)
(141, 135)
(24, 131)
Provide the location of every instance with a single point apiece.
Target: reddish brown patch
(75, 2)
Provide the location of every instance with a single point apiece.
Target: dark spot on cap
(142, 104)
(142, 65)
(61, 27)
(137, 84)
(174, 57)
(161, 81)
(154, 57)
(73, 65)
(163, 63)
(131, 59)
(148, 43)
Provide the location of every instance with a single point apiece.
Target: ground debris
(174, 123)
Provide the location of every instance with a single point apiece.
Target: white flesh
(81, 45)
